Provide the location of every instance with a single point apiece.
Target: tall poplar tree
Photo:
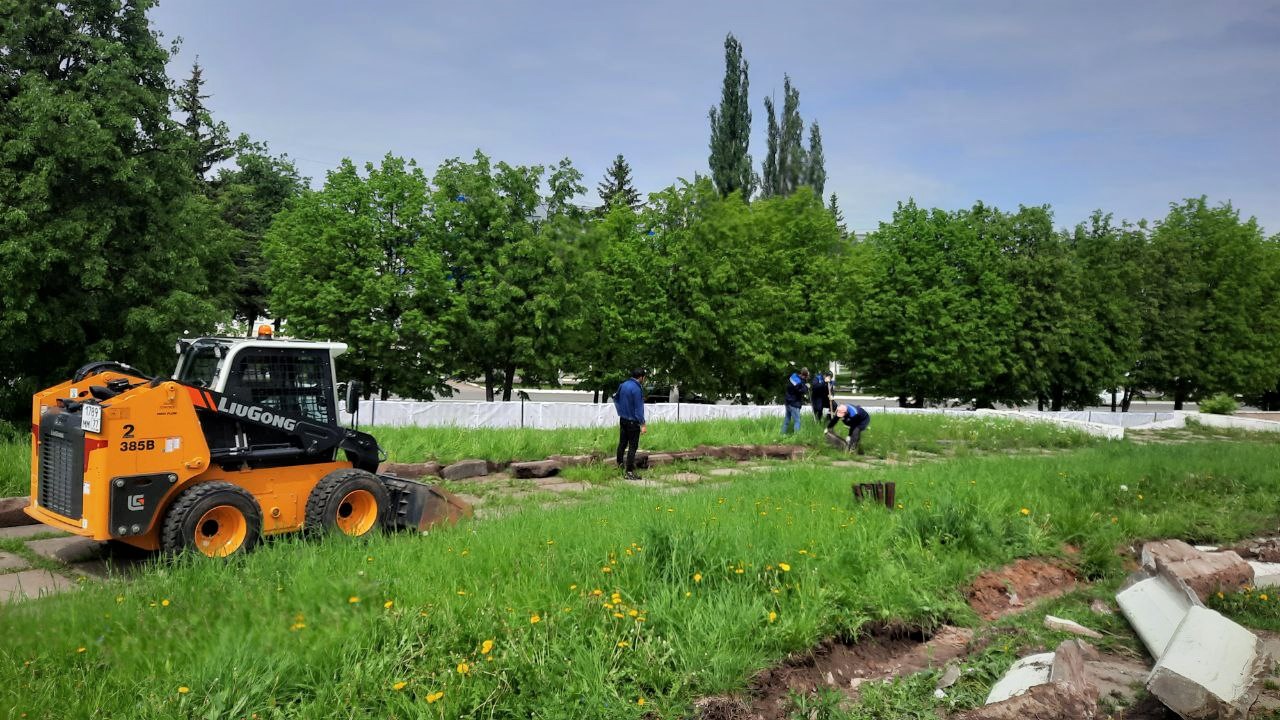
(785, 166)
(730, 160)
(815, 171)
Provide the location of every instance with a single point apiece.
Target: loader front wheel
(216, 519)
(350, 501)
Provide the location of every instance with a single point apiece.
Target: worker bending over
(854, 416)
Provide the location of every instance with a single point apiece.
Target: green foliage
(210, 141)
(1253, 607)
(616, 186)
(730, 160)
(356, 262)
(1214, 307)
(815, 171)
(1220, 404)
(786, 167)
(108, 250)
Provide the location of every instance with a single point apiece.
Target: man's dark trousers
(628, 441)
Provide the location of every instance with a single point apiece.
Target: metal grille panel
(61, 470)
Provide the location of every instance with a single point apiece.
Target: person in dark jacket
(821, 393)
(629, 402)
(796, 395)
(856, 418)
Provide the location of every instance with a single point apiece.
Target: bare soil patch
(1012, 588)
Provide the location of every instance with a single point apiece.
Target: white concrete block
(1024, 674)
(1070, 626)
(1265, 574)
(1155, 607)
(1211, 668)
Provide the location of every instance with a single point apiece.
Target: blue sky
(1082, 105)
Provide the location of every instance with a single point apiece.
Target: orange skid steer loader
(243, 441)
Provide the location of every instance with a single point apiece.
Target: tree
(355, 262)
(108, 249)
(1214, 318)
(248, 197)
(509, 273)
(815, 174)
(616, 186)
(210, 141)
(730, 160)
(785, 166)
(834, 208)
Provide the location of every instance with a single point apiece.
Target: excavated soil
(1010, 589)
(882, 654)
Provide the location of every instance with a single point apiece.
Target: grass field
(630, 603)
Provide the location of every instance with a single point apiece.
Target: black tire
(207, 518)
(350, 501)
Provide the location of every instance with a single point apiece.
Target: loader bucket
(418, 506)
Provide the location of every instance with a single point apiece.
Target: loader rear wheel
(353, 502)
(216, 519)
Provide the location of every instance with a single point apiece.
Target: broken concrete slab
(1069, 666)
(642, 482)
(11, 514)
(68, 550)
(1265, 574)
(464, 469)
(9, 561)
(30, 584)
(741, 452)
(1024, 674)
(1154, 607)
(1070, 626)
(535, 469)
(656, 459)
(1117, 679)
(1205, 573)
(721, 472)
(782, 452)
(835, 441)
(566, 487)
(684, 477)
(1211, 668)
(411, 471)
(25, 531)
(710, 452)
(687, 455)
(571, 460)
(1049, 701)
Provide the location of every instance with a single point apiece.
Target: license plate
(91, 418)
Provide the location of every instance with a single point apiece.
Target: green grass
(277, 633)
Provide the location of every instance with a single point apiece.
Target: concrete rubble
(1043, 686)
(1206, 665)
(1070, 626)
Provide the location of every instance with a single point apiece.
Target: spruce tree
(834, 208)
(731, 127)
(211, 143)
(815, 172)
(616, 186)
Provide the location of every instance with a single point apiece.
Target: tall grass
(710, 585)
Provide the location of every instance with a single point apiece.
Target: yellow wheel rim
(357, 512)
(221, 531)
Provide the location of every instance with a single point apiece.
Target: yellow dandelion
(184, 690)
(1220, 595)
(623, 643)
(353, 600)
(639, 701)
(619, 615)
(784, 567)
(434, 697)
(462, 592)
(119, 598)
(697, 577)
(687, 593)
(1025, 511)
(596, 593)
(633, 612)
(1139, 496)
(165, 602)
(534, 619)
(640, 619)
(739, 571)
(388, 604)
(574, 586)
(1263, 597)
(80, 649)
(486, 647)
(772, 616)
(551, 542)
(606, 569)
(399, 686)
(463, 668)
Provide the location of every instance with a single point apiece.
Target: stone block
(31, 584)
(1024, 674)
(1049, 701)
(711, 452)
(1265, 574)
(11, 514)
(1211, 668)
(657, 459)
(569, 460)
(535, 469)
(782, 452)
(9, 561)
(687, 455)
(741, 452)
(496, 466)
(464, 469)
(1069, 660)
(1154, 607)
(1205, 573)
(71, 549)
(1070, 626)
(411, 471)
(26, 531)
